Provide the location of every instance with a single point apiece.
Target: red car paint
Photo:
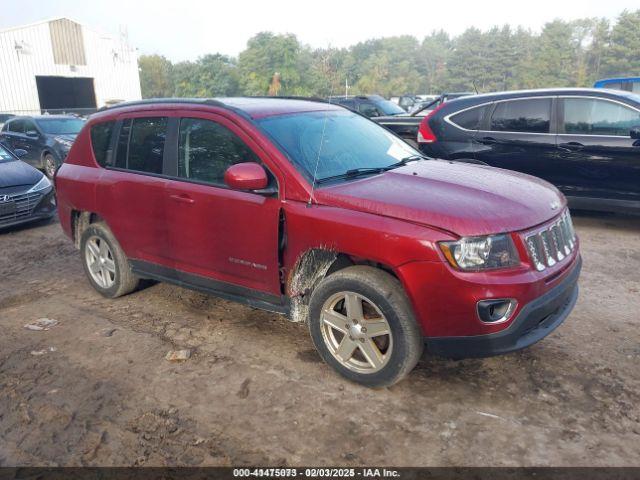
(394, 219)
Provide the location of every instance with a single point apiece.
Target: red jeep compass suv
(311, 210)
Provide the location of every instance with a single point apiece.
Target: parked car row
(368, 105)
(46, 139)
(409, 102)
(584, 141)
(397, 120)
(26, 194)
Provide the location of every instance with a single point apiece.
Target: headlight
(41, 185)
(481, 253)
(67, 144)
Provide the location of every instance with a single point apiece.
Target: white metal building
(61, 65)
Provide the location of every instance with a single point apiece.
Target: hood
(68, 136)
(406, 118)
(462, 198)
(16, 172)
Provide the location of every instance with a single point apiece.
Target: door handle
(488, 141)
(183, 199)
(571, 146)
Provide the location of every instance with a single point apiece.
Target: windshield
(389, 108)
(4, 155)
(60, 126)
(349, 142)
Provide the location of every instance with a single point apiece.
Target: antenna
(324, 126)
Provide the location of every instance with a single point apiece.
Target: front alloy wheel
(362, 324)
(356, 332)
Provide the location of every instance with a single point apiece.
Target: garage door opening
(63, 94)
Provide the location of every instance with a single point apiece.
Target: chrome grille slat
(25, 203)
(552, 244)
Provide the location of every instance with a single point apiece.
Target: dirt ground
(96, 389)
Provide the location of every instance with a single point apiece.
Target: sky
(187, 29)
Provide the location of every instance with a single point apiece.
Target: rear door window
(368, 109)
(469, 119)
(141, 144)
(206, 149)
(101, 142)
(16, 126)
(528, 115)
(593, 116)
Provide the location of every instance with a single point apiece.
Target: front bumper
(536, 320)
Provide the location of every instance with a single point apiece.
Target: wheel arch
(311, 267)
(80, 221)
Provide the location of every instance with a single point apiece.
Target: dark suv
(584, 141)
(46, 139)
(313, 211)
(368, 105)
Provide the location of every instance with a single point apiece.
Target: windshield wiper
(357, 172)
(404, 161)
(353, 173)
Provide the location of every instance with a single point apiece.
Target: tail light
(425, 134)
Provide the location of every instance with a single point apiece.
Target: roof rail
(205, 101)
(288, 97)
(154, 101)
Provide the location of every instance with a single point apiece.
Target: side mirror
(246, 176)
(18, 152)
(32, 134)
(635, 133)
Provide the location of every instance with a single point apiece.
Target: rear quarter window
(469, 119)
(101, 142)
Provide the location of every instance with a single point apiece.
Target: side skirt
(228, 291)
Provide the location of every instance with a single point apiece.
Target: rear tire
(362, 324)
(105, 263)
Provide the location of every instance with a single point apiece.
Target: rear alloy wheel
(100, 263)
(362, 324)
(50, 165)
(105, 263)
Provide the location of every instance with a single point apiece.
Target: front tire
(362, 324)
(50, 165)
(105, 263)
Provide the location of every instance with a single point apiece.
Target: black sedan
(46, 139)
(584, 141)
(26, 194)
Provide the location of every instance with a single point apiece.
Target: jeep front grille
(553, 243)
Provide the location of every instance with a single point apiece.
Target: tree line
(563, 54)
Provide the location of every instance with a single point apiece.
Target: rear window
(60, 126)
(469, 119)
(141, 144)
(530, 115)
(101, 142)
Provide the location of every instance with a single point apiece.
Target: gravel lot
(96, 388)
